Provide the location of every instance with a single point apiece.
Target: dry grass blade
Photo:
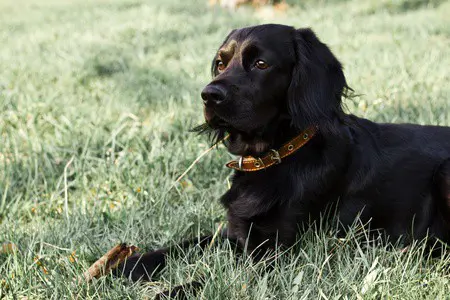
(199, 158)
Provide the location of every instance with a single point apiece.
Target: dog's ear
(213, 64)
(317, 84)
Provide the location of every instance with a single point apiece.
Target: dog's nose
(213, 94)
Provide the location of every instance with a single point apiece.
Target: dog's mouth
(216, 122)
(212, 119)
(239, 142)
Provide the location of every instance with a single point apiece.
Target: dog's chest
(264, 214)
(271, 206)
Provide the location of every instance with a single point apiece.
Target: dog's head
(269, 75)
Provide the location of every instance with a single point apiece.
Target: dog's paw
(142, 266)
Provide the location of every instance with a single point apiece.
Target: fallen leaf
(72, 257)
(39, 263)
(109, 261)
(8, 248)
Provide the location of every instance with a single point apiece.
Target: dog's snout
(213, 94)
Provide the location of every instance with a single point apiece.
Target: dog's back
(394, 169)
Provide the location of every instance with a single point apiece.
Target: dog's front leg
(147, 266)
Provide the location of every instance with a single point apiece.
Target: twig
(56, 247)
(198, 159)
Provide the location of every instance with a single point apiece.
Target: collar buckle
(275, 156)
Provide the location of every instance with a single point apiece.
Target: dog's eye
(220, 65)
(260, 64)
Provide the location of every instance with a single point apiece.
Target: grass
(112, 86)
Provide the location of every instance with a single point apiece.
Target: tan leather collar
(251, 164)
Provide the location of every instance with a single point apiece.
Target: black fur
(393, 176)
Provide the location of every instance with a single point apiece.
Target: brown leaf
(39, 263)
(8, 248)
(73, 257)
(109, 261)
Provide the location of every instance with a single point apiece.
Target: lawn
(96, 99)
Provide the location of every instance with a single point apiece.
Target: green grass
(115, 84)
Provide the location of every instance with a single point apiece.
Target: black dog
(277, 92)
